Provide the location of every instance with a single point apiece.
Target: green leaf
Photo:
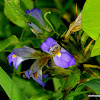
(76, 93)
(29, 87)
(14, 13)
(79, 87)
(74, 77)
(9, 41)
(63, 83)
(96, 48)
(91, 18)
(94, 84)
(56, 83)
(40, 97)
(10, 88)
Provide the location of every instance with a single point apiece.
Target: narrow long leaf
(10, 87)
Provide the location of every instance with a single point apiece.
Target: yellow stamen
(35, 75)
(58, 53)
(14, 55)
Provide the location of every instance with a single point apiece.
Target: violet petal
(36, 13)
(60, 63)
(45, 47)
(51, 42)
(27, 74)
(39, 81)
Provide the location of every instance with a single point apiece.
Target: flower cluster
(61, 57)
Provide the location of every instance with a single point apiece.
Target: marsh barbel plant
(54, 51)
(61, 57)
(56, 59)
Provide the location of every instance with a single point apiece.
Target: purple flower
(62, 58)
(16, 60)
(35, 76)
(35, 27)
(35, 70)
(36, 13)
(18, 55)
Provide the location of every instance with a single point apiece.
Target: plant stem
(48, 20)
(92, 66)
(88, 46)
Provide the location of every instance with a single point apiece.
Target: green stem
(63, 34)
(48, 20)
(22, 34)
(91, 66)
(88, 46)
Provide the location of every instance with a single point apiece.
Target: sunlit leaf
(15, 11)
(96, 48)
(91, 18)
